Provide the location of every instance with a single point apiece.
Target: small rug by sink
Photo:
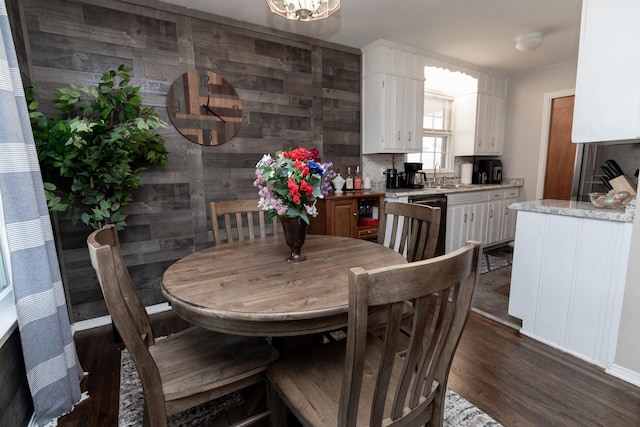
(491, 262)
(458, 411)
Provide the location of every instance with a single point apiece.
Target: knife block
(623, 183)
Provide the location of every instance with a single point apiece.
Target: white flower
(265, 160)
(311, 209)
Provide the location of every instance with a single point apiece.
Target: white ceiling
(478, 32)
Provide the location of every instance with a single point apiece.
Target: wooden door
(561, 152)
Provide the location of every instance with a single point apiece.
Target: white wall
(523, 131)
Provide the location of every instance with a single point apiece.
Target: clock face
(204, 107)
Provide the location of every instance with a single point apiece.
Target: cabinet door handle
(491, 213)
(409, 136)
(465, 218)
(398, 135)
(472, 216)
(355, 214)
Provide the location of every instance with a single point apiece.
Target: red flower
(315, 155)
(301, 154)
(306, 187)
(293, 187)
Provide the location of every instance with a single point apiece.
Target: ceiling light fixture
(528, 41)
(304, 10)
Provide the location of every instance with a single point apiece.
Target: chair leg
(437, 418)
(278, 415)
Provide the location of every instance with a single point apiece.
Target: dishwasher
(436, 201)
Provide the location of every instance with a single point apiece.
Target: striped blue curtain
(53, 371)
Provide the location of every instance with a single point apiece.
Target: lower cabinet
(348, 215)
(466, 218)
(480, 215)
(509, 215)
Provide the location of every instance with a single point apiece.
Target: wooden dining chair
(362, 380)
(186, 369)
(239, 218)
(413, 229)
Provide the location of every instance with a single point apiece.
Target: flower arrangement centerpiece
(290, 184)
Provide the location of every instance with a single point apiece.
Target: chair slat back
(413, 229)
(239, 219)
(441, 290)
(127, 311)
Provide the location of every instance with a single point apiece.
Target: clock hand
(206, 107)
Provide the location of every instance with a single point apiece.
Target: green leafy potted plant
(93, 151)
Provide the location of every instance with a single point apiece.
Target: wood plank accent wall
(296, 92)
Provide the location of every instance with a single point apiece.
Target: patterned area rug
(491, 262)
(458, 411)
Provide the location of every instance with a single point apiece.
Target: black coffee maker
(395, 179)
(414, 176)
(487, 171)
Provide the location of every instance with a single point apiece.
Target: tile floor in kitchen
(491, 297)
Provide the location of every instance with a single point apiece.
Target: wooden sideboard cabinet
(347, 215)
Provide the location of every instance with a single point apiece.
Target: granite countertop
(452, 188)
(578, 209)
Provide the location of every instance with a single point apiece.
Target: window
(7, 306)
(443, 90)
(436, 135)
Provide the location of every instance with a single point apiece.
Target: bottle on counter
(357, 180)
(349, 180)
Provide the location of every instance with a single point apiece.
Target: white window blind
(437, 113)
(436, 133)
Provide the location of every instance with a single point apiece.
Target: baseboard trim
(106, 320)
(624, 374)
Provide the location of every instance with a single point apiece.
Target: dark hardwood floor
(516, 380)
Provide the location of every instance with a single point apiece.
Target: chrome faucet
(436, 168)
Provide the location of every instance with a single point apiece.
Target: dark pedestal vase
(295, 231)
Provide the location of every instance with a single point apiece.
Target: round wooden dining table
(248, 287)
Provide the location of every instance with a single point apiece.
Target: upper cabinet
(392, 100)
(480, 119)
(607, 101)
(393, 91)
(479, 127)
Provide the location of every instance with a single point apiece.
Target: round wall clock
(204, 107)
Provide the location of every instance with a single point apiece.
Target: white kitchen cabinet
(480, 128)
(509, 219)
(495, 218)
(466, 218)
(607, 100)
(568, 280)
(480, 215)
(392, 99)
(457, 227)
(387, 57)
(501, 221)
(392, 114)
